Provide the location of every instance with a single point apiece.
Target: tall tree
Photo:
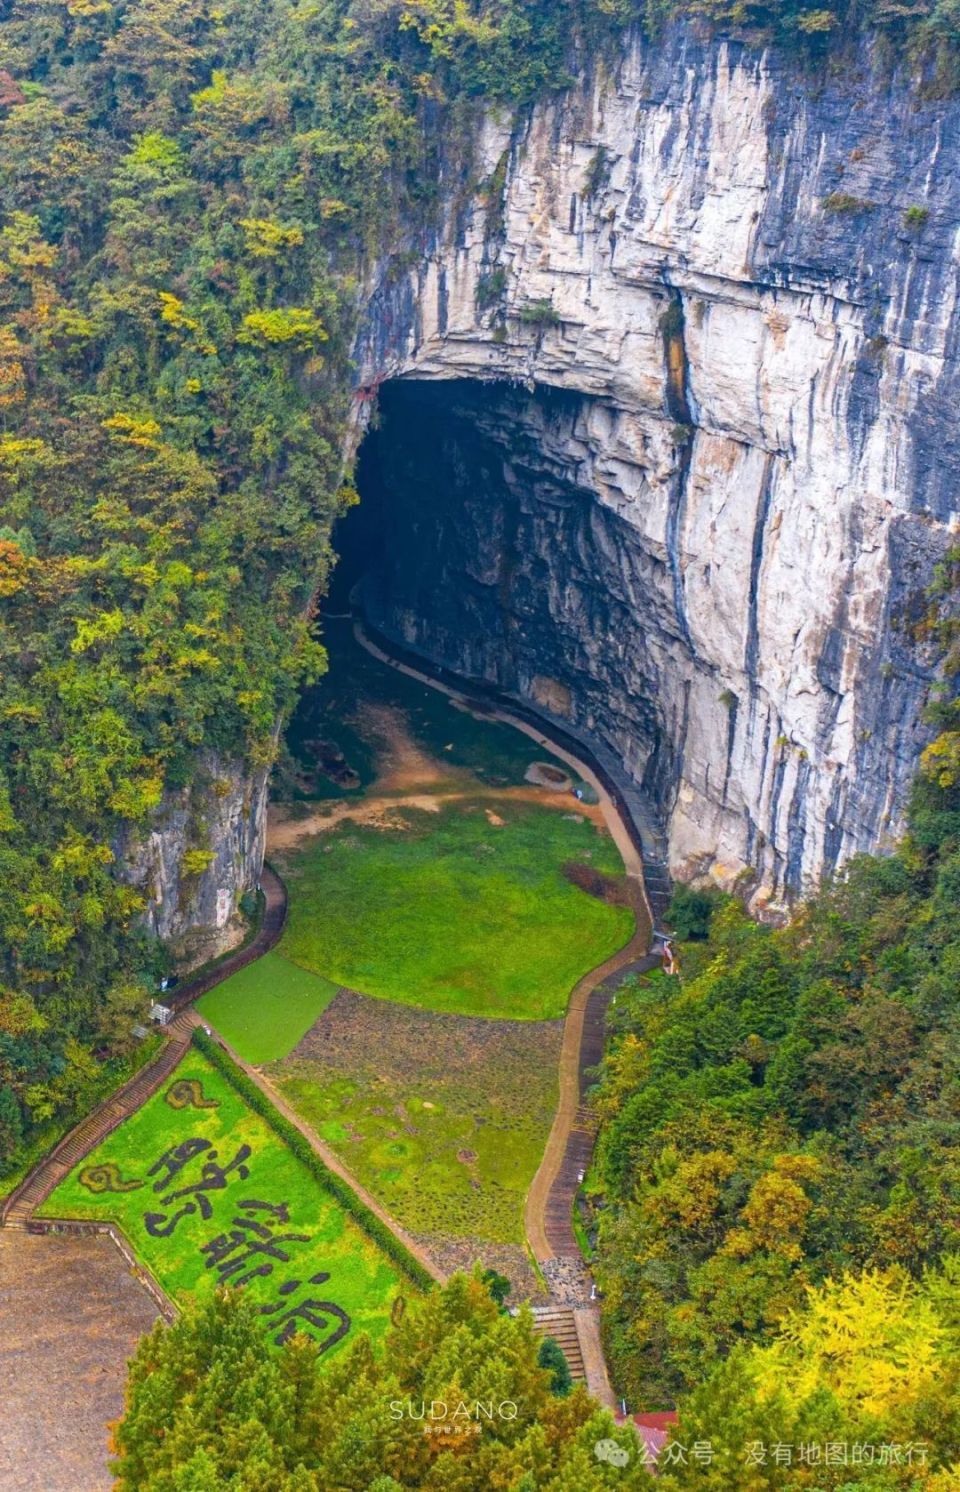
(456, 1400)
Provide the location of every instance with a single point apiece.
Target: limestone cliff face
(721, 418)
(191, 905)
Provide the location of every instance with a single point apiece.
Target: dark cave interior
(478, 543)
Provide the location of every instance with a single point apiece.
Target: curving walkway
(266, 936)
(569, 1148)
(548, 1216)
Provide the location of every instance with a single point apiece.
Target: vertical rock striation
(203, 850)
(704, 463)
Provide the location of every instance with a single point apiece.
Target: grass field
(258, 1210)
(452, 913)
(442, 1117)
(263, 1010)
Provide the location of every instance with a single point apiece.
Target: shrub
(300, 1146)
(498, 1285)
(690, 912)
(844, 202)
(596, 173)
(551, 1357)
(915, 217)
(540, 313)
(490, 288)
(671, 322)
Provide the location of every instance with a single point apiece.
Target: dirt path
(605, 811)
(403, 763)
(285, 832)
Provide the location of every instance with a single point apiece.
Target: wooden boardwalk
(578, 1152)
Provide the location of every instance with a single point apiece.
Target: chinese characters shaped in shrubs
(251, 1240)
(213, 1177)
(253, 1243)
(320, 1314)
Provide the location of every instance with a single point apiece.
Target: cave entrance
(481, 543)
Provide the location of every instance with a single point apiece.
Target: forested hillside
(190, 195)
(787, 1116)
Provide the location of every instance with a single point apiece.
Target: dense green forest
(189, 197)
(464, 1400)
(779, 1159)
(460, 1401)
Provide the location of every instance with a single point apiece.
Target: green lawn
(127, 1180)
(263, 1010)
(453, 914)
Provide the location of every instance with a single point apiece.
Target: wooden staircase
(41, 1181)
(558, 1322)
(23, 1201)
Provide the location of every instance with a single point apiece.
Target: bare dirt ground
(402, 763)
(357, 1032)
(404, 771)
(71, 1314)
(285, 830)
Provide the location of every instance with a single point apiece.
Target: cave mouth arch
(479, 543)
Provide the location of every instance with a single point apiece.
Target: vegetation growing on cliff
(790, 1112)
(187, 196)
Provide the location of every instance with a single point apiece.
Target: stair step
(95, 1128)
(559, 1323)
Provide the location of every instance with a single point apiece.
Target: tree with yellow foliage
(869, 1361)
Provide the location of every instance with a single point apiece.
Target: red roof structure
(653, 1429)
